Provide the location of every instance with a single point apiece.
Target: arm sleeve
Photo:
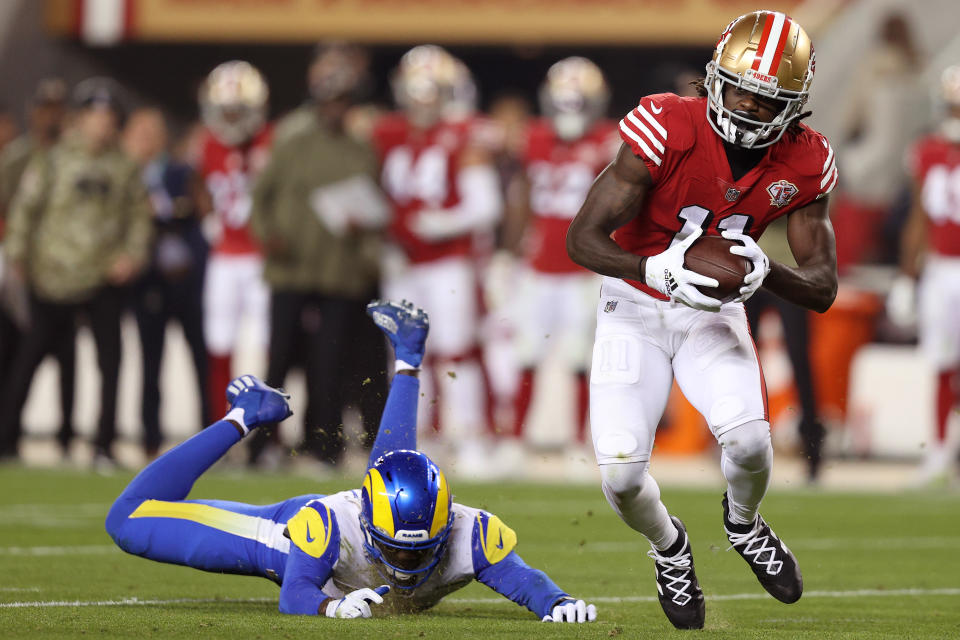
(314, 551)
(498, 566)
(512, 578)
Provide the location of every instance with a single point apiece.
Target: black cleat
(677, 587)
(772, 562)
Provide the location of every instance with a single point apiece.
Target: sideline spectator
(45, 115)
(79, 231)
(172, 285)
(317, 214)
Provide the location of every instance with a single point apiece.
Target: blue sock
(398, 424)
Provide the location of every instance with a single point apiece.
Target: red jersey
(419, 172)
(228, 173)
(936, 168)
(560, 174)
(693, 185)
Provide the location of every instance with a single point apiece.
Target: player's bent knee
(748, 445)
(117, 519)
(623, 482)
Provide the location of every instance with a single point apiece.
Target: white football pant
(555, 311)
(938, 319)
(234, 289)
(447, 290)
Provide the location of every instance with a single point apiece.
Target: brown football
(710, 256)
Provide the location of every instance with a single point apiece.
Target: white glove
(665, 273)
(752, 252)
(902, 301)
(356, 604)
(572, 611)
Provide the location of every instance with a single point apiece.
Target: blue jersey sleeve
(498, 566)
(314, 550)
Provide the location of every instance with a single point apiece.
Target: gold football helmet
(574, 95)
(425, 82)
(767, 53)
(233, 102)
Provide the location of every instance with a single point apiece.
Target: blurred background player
(319, 216)
(46, 113)
(328, 552)
(80, 230)
(233, 106)
(443, 190)
(171, 286)
(565, 150)
(930, 250)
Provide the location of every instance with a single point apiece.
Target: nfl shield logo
(781, 192)
(610, 307)
(731, 194)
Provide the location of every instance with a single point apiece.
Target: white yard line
(809, 544)
(136, 602)
(856, 593)
(20, 589)
(127, 602)
(76, 550)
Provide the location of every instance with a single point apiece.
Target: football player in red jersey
(236, 145)
(564, 152)
(931, 244)
(724, 164)
(443, 190)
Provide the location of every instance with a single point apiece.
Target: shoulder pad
(492, 540)
(918, 155)
(314, 530)
(658, 125)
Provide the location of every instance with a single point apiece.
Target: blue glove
(253, 403)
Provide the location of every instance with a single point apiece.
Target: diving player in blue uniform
(329, 553)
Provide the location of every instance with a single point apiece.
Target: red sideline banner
(597, 22)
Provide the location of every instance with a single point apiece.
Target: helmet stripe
(380, 502)
(781, 44)
(771, 43)
(767, 26)
(441, 513)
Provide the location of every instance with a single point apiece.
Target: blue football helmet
(406, 517)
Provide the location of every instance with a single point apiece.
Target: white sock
(746, 463)
(400, 365)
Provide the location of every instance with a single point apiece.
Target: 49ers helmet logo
(781, 192)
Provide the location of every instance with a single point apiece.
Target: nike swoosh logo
(309, 538)
(655, 108)
(500, 543)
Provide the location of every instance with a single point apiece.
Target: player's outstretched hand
(665, 273)
(752, 252)
(258, 403)
(356, 604)
(571, 610)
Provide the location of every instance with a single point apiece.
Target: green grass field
(875, 566)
